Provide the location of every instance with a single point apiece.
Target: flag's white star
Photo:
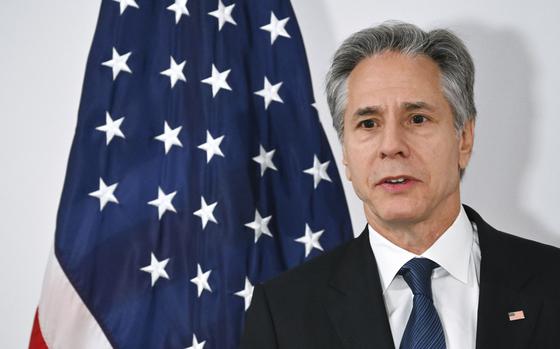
(180, 8)
(270, 92)
(175, 71)
(125, 3)
(163, 202)
(310, 240)
(111, 128)
(206, 212)
(201, 280)
(118, 63)
(105, 194)
(318, 171)
(212, 146)
(223, 14)
(276, 27)
(260, 225)
(170, 137)
(195, 344)
(265, 159)
(246, 293)
(156, 269)
(218, 80)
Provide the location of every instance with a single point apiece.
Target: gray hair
(441, 45)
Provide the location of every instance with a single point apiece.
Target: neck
(415, 236)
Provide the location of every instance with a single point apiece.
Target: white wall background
(513, 179)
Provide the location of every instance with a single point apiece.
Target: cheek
(434, 160)
(445, 159)
(359, 165)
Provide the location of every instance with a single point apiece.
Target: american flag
(198, 168)
(516, 315)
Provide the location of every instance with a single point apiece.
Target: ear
(466, 142)
(345, 162)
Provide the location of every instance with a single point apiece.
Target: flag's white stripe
(64, 319)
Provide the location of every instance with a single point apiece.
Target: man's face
(401, 150)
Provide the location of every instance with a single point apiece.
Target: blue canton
(198, 169)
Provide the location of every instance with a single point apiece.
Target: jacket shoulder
(517, 262)
(312, 273)
(511, 247)
(531, 253)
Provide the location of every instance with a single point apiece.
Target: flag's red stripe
(37, 341)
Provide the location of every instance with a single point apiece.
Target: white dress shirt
(455, 283)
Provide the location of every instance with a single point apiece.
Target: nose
(393, 141)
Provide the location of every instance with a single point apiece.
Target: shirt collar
(451, 251)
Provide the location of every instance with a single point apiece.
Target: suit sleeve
(259, 329)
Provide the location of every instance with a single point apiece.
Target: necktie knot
(417, 273)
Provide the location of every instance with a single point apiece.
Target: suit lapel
(355, 301)
(503, 277)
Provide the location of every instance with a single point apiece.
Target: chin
(398, 212)
(400, 216)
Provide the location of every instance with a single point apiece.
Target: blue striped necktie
(423, 329)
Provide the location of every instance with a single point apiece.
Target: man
(426, 272)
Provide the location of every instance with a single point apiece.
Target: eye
(369, 123)
(418, 119)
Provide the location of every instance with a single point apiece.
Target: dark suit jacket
(336, 301)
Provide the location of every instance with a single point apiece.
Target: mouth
(397, 183)
(396, 180)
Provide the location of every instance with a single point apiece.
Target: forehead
(395, 75)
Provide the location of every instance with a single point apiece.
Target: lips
(397, 184)
(395, 180)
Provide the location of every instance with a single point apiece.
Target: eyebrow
(369, 110)
(409, 106)
(376, 110)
